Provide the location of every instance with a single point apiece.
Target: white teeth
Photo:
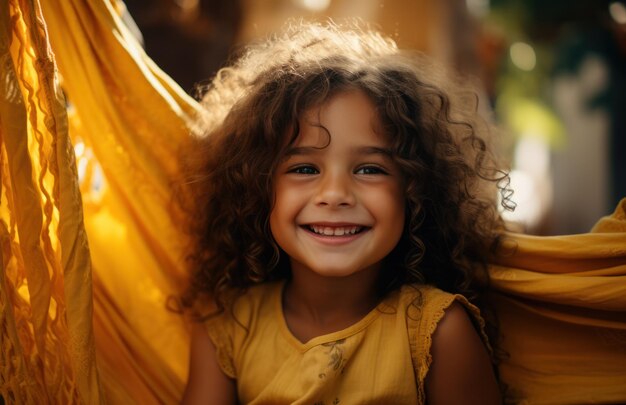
(335, 231)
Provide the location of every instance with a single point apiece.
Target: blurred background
(552, 76)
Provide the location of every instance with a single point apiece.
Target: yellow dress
(381, 359)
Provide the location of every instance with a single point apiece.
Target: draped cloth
(89, 248)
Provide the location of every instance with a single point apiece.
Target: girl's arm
(207, 383)
(461, 371)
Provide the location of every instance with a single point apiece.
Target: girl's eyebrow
(301, 150)
(361, 150)
(374, 150)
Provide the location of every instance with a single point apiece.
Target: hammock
(86, 322)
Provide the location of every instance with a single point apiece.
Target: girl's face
(339, 200)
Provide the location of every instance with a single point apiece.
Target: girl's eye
(306, 170)
(370, 170)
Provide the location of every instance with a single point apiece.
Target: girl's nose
(335, 190)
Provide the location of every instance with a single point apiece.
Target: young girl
(343, 215)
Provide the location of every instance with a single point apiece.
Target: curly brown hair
(438, 141)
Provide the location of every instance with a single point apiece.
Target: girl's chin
(333, 271)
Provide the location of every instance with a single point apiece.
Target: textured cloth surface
(65, 338)
(47, 352)
(562, 306)
(383, 358)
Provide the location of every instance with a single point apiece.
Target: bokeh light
(618, 12)
(523, 56)
(315, 5)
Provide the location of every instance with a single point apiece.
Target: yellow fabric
(130, 117)
(561, 299)
(122, 103)
(562, 304)
(47, 352)
(369, 362)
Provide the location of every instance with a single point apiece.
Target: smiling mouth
(335, 230)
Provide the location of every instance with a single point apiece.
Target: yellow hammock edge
(48, 352)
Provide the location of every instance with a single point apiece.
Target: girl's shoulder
(258, 295)
(255, 301)
(428, 298)
(230, 327)
(425, 306)
(425, 297)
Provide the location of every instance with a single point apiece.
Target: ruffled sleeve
(220, 330)
(422, 322)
